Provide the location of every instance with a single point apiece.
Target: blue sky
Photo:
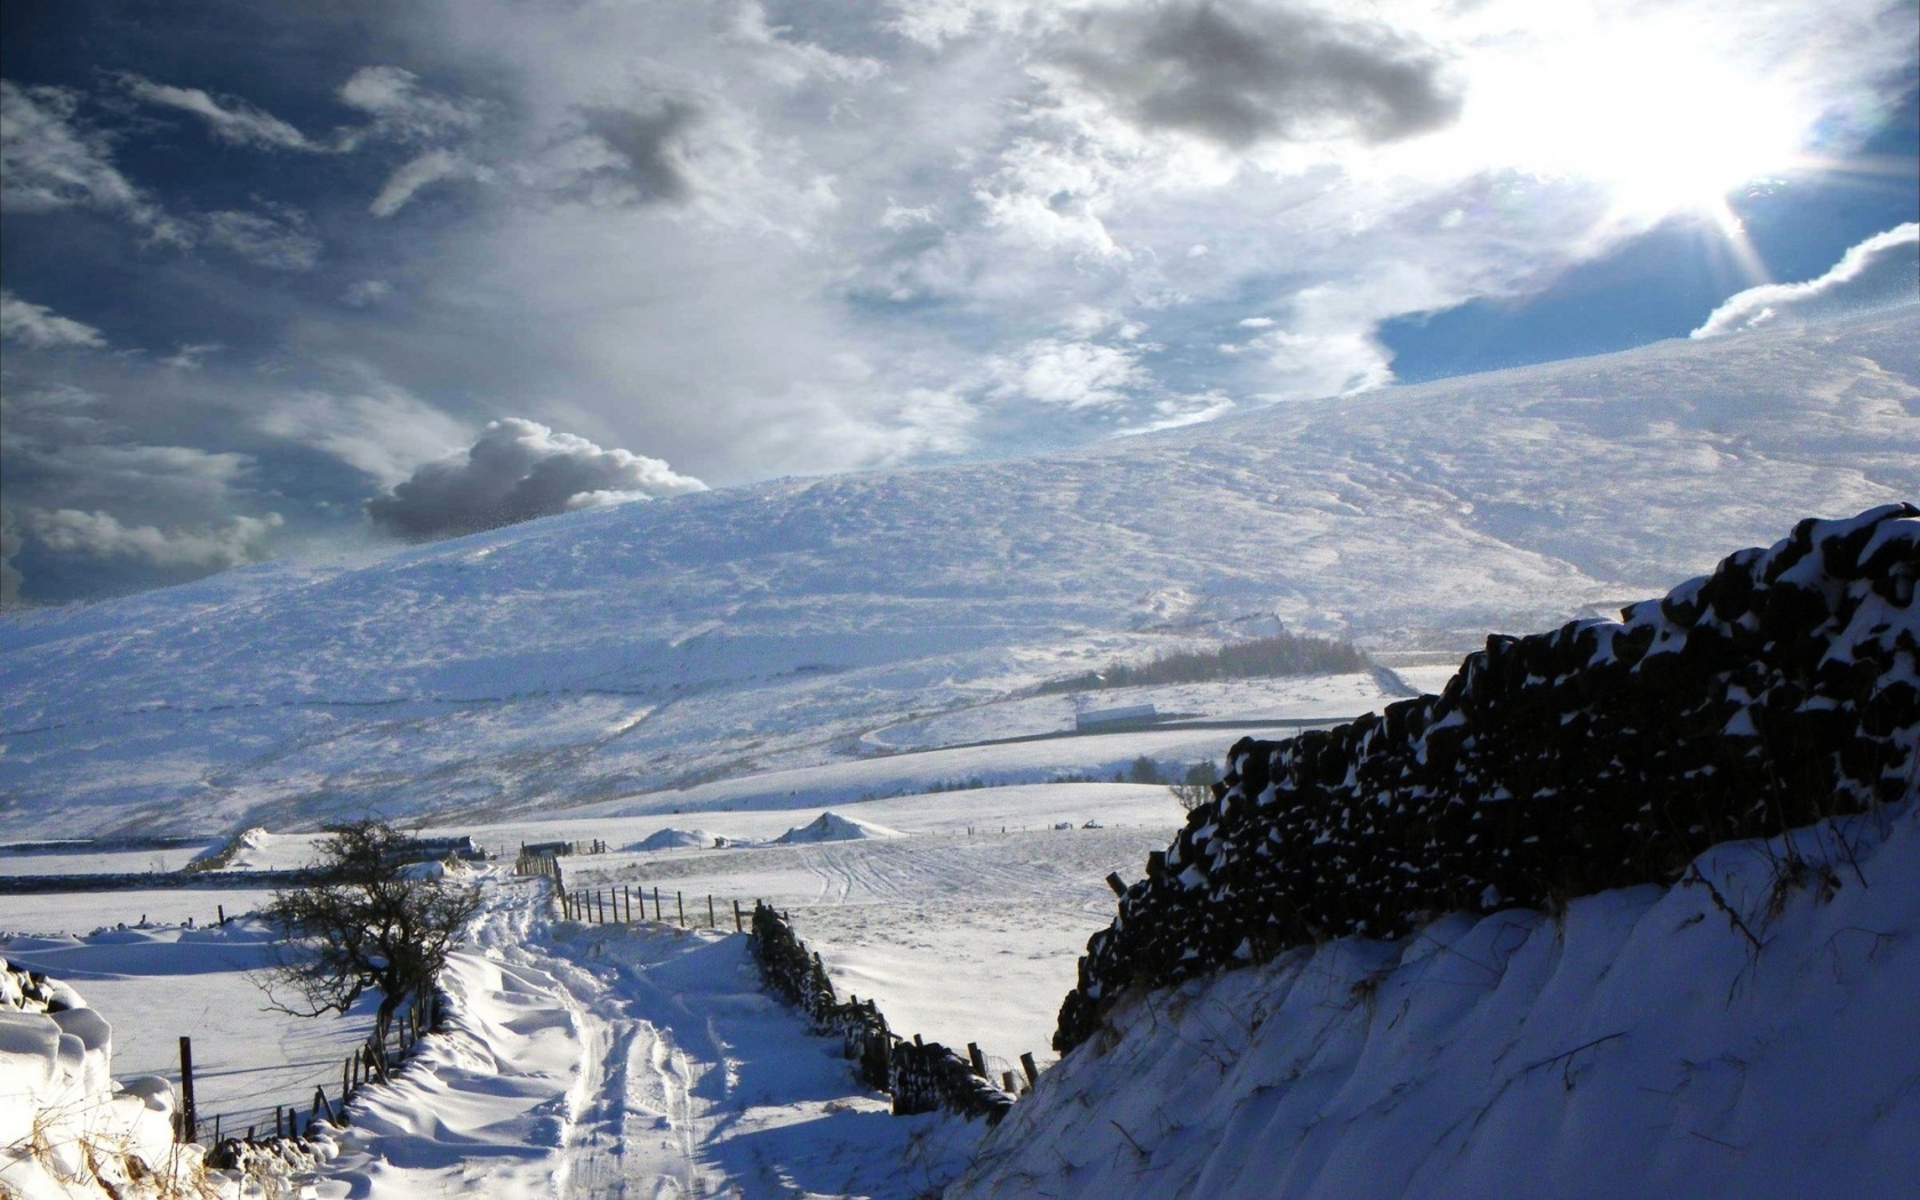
(268, 266)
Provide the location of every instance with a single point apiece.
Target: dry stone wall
(1778, 690)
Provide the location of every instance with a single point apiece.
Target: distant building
(1110, 718)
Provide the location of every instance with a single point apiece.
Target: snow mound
(675, 839)
(832, 827)
(65, 1129)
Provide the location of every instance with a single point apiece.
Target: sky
(289, 279)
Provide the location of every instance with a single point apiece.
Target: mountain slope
(594, 656)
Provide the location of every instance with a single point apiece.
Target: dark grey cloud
(650, 143)
(1240, 74)
(515, 471)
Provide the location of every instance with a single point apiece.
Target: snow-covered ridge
(613, 655)
(1777, 691)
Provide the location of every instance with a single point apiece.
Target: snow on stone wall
(1778, 690)
(65, 1128)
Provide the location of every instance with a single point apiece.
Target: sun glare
(1663, 118)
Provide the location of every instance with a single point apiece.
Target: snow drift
(65, 1128)
(832, 827)
(675, 839)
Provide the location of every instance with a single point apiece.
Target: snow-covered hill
(598, 656)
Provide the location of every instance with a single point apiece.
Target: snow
(603, 1061)
(861, 654)
(1636, 1044)
(622, 656)
(832, 827)
(675, 839)
(159, 984)
(63, 1123)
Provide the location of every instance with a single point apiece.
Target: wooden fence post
(1027, 1065)
(656, 905)
(629, 896)
(739, 926)
(712, 922)
(680, 902)
(188, 1119)
(978, 1059)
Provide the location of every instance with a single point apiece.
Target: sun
(1663, 117)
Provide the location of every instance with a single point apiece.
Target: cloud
(378, 428)
(363, 292)
(400, 109)
(39, 326)
(649, 144)
(1074, 374)
(230, 119)
(101, 535)
(417, 173)
(515, 471)
(10, 544)
(1881, 271)
(1239, 74)
(280, 239)
(49, 160)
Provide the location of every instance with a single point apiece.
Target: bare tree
(367, 921)
(1196, 787)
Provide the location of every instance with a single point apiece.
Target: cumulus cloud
(1074, 374)
(39, 326)
(102, 535)
(1883, 270)
(230, 119)
(1239, 74)
(515, 471)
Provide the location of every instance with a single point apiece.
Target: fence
(921, 1076)
(373, 1061)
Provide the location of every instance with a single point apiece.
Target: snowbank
(65, 1129)
(1640, 1043)
(832, 827)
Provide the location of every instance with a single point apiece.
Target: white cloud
(377, 428)
(1070, 373)
(420, 172)
(49, 161)
(1882, 270)
(281, 239)
(515, 471)
(188, 357)
(102, 535)
(401, 110)
(39, 326)
(230, 119)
